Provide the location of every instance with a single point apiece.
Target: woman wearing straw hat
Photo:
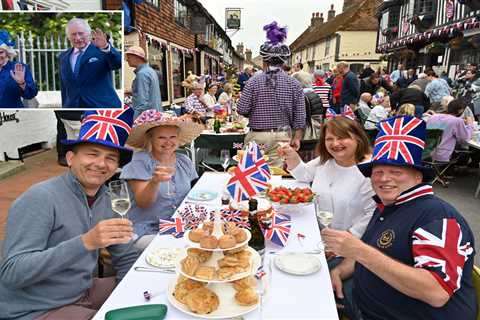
(159, 177)
(16, 81)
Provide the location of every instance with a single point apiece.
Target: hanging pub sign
(450, 9)
(232, 18)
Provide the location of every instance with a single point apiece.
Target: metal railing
(41, 54)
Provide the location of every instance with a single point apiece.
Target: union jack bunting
(279, 231)
(231, 215)
(108, 125)
(440, 248)
(397, 140)
(171, 226)
(250, 176)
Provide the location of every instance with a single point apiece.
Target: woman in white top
(209, 97)
(227, 94)
(342, 145)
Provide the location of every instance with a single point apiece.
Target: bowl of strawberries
(283, 196)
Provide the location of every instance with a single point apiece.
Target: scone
(197, 234)
(210, 242)
(240, 235)
(226, 241)
(246, 297)
(241, 284)
(208, 226)
(205, 273)
(229, 227)
(227, 272)
(242, 255)
(202, 255)
(233, 261)
(183, 287)
(202, 301)
(190, 265)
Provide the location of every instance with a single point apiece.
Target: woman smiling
(342, 145)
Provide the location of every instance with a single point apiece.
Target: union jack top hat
(109, 128)
(400, 142)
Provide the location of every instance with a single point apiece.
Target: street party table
(475, 143)
(288, 296)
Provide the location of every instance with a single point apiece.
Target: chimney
(331, 13)
(321, 18)
(316, 19)
(240, 48)
(248, 55)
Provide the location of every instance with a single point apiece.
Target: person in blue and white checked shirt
(273, 99)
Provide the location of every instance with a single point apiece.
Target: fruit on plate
(284, 195)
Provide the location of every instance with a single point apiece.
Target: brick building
(349, 36)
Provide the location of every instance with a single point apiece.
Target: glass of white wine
(170, 170)
(225, 158)
(324, 209)
(119, 197)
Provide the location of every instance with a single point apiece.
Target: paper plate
(163, 257)
(298, 263)
(227, 307)
(202, 195)
(255, 262)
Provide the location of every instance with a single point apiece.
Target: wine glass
(119, 197)
(225, 157)
(284, 136)
(324, 209)
(170, 170)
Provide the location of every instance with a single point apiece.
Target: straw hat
(190, 127)
(137, 51)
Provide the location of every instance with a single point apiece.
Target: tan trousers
(270, 142)
(72, 128)
(86, 307)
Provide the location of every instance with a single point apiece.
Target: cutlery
(148, 269)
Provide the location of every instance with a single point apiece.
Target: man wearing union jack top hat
(56, 228)
(415, 259)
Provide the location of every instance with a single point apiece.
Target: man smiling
(85, 69)
(415, 258)
(56, 227)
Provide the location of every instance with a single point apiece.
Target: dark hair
(286, 68)
(300, 65)
(472, 71)
(375, 75)
(456, 107)
(343, 127)
(430, 73)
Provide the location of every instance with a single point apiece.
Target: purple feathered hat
(274, 46)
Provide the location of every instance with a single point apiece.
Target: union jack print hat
(400, 142)
(109, 128)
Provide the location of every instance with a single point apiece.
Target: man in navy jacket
(86, 68)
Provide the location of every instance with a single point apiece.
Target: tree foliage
(53, 23)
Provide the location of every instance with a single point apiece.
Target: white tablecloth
(290, 297)
(34, 126)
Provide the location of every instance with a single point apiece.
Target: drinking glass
(225, 158)
(324, 209)
(119, 197)
(167, 169)
(284, 136)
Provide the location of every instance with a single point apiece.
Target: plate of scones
(226, 237)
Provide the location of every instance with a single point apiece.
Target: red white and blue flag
(346, 112)
(330, 113)
(440, 248)
(397, 140)
(171, 226)
(231, 215)
(108, 125)
(279, 231)
(250, 176)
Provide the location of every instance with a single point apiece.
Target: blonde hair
(406, 109)
(11, 53)
(228, 88)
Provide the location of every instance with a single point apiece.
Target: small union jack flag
(279, 230)
(346, 112)
(231, 215)
(108, 125)
(260, 273)
(397, 140)
(250, 176)
(238, 145)
(174, 225)
(330, 113)
(440, 247)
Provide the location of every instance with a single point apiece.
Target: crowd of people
(394, 249)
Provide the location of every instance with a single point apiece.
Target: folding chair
(433, 139)
(212, 144)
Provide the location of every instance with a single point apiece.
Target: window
(157, 58)
(327, 45)
(153, 2)
(393, 17)
(207, 65)
(424, 7)
(180, 12)
(178, 72)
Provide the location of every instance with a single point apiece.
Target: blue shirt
(146, 90)
(141, 168)
(422, 231)
(10, 91)
(437, 89)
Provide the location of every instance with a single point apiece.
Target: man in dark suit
(86, 68)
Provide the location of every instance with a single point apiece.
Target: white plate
(163, 257)
(197, 244)
(227, 307)
(202, 195)
(255, 262)
(297, 263)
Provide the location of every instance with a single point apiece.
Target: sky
(295, 14)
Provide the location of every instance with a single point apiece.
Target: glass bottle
(257, 241)
(216, 125)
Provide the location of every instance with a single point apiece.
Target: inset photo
(61, 59)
